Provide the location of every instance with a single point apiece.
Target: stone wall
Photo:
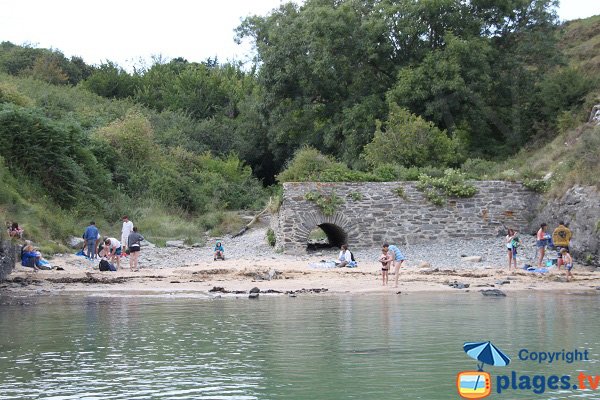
(579, 207)
(373, 213)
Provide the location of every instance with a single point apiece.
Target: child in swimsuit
(385, 259)
(568, 261)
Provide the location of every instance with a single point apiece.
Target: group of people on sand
(110, 250)
(391, 257)
(559, 240)
(31, 256)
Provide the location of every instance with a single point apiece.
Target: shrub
(327, 203)
(46, 150)
(537, 185)
(409, 140)
(452, 184)
(399, 191)
(310, 165)
(476, 168)
(356, 196)
(10, 94)
(271, 237)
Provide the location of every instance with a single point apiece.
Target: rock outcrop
(579, 208)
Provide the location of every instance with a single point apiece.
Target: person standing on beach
(134, 242)
(397, 260)
(91, 236)
(385, 259)
(125, 231)
(561, 237)
(541, 243)
(568, 261)
(511, 245)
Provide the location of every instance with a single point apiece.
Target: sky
(131, 32)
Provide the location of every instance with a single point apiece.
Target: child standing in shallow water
(568, 262)
(385, 259)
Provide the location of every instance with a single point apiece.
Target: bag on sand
(106, 266)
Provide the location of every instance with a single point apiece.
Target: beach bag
(106, 266)
(352, 256)
(515, 243)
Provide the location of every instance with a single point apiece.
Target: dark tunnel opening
(326, 236)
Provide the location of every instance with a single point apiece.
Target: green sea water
(308, 347)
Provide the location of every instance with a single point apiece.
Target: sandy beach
(277, 273)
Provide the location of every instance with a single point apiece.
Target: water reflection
(330, 347)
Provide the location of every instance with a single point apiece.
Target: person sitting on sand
(568, 261)
(112, 250)
(345, 257)
(14, 231)
(219, 252)
(385, 259)
(29, 256)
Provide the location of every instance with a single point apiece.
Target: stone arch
(337, 227)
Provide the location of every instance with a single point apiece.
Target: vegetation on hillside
(341, 90)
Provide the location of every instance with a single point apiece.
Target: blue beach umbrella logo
(486, 353)
(478, 384)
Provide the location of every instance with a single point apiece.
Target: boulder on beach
(175, 243)
(75, 242)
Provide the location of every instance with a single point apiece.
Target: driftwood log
(254, 220)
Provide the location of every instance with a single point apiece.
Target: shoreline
(281, 275)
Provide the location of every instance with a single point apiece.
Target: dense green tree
(409, 140)
(325, 67)
(111, 81)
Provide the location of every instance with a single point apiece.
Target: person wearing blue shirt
(219, 251)
(90, 236)
(398, 258)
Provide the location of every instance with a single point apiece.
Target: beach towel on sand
(530, 268)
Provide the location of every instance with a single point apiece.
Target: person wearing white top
(112, 250)
(345, 256)
(125, 231)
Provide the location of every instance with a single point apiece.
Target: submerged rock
(493, 292)
(253, 295)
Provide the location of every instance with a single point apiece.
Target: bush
(476, 168)
(310, 165)
(46, 150)
(10, 94)
(452, 184)
(409, 140)
(271, 237)
(536, 185)
(327, 203)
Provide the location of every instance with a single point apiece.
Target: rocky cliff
(579, 207)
